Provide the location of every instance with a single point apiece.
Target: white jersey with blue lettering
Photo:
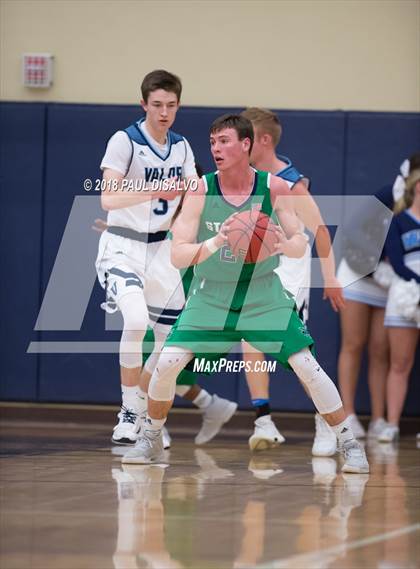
(295, 273)
(136, 155)
(126, 264)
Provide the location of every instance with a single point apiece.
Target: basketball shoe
(266, 434)
(218, 413)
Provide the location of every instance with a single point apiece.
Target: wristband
(211, 245)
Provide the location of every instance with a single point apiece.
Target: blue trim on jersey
(289, 173)
(254, 189)
(175, 137)
(284, 159)
(133, 282)
(130, 278)
(152, 148)
(160, 320)
(165, 311)
(136, 134)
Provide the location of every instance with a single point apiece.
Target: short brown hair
(265, 121)
(161, 79)
(239, 123)
(415, 161)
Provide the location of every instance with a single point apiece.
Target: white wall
(304, 54)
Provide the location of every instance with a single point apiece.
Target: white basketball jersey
(295, 274)
(136, 155)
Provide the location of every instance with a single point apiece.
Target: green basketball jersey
(223, 266)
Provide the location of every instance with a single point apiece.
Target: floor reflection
(164, 524)
(66, 504)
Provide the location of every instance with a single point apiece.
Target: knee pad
(135, 315)
(134, 312)
(151, 362)
(160, 332)
(130, 349)
(323, 392)
(171, 362)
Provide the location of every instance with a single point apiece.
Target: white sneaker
(126, 431)
(325, 442)
(376, 427)
(355, 460)
(166, 438)
(146, 451)
(218, 413)
(389, 434)
(357, 427)
(265, 434)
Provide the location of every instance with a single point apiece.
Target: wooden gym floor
(67, 502)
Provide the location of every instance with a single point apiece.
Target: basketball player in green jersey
(236, 301)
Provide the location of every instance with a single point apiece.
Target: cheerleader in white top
(402, 315)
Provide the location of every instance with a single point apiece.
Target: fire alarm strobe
(37, 70)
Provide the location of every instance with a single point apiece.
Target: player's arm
(292, 242)
(185, 249)
(190, 178)
(308, 211)
(113, 195)
(189, 170)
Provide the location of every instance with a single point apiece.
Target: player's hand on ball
(224, 230)
(281, 241)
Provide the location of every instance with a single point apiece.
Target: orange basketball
(252, 236)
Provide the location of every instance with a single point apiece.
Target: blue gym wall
(47, 150)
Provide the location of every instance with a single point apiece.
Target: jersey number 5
(162, 208)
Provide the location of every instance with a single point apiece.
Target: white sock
(153, 427)
(343, 432)
(133, 397)
(203, 399)
(181, 390)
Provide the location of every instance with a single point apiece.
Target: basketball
(252, 236)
